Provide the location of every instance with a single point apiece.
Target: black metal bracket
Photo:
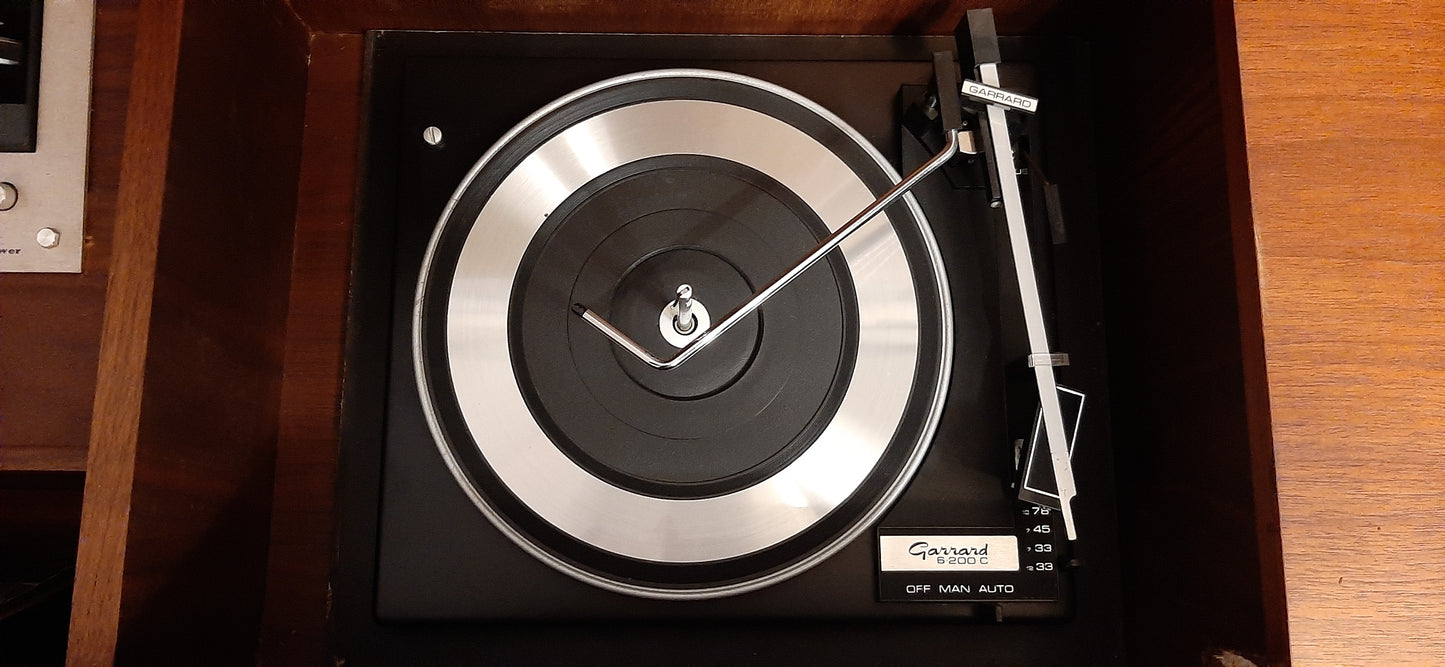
(977, 37)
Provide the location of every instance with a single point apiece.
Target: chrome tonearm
(999, 148)
(760, 297)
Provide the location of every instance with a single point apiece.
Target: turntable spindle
(683, 319)
(684, 322)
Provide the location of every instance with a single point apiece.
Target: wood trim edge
(110, 464)
(1251, 328)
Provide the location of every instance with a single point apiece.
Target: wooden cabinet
(1344, 109)
(1270, 180)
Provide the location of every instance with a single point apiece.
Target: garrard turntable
(650, 328)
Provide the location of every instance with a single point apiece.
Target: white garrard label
(987, 93)
(948, 553)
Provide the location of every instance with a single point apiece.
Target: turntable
(731, 329)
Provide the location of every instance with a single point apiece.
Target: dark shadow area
(1189, 536)
(39, 528)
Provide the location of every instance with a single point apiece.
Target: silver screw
(47, 237)
(432, 135)
(8, 196)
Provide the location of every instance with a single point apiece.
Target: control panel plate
(44, 231)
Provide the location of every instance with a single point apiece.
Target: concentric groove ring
(474, 368)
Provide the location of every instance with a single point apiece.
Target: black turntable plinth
(837, 475)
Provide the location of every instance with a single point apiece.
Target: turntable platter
(761, 456)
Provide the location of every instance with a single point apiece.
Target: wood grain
(105, 516)
(868, 17)
(173, 540)
(50, 323)
(298, 593)
(1344, 109)
(1276, 650)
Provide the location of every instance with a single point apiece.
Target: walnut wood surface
(1276, 650)
(857, 17)
(50, 323)
(298, 593)
(1344, 109)
(171, 564)
(105, 515)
